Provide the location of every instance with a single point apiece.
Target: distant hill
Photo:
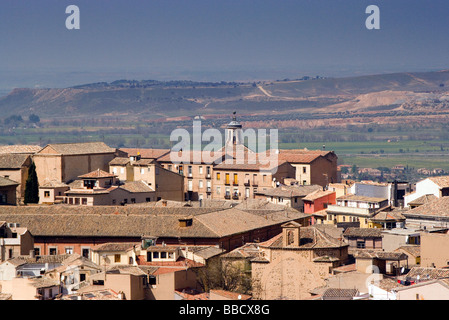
(152, 98)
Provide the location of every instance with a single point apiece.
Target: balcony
(227, 196)
(235, 183)
(208, 176)
(246, 183)
(235, 197)
(208, 190)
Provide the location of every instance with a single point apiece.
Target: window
(117, 258)
(85, 252)
(236, 181)
(133, 200)
(163, 255)
(218, 190)
(200, 184)
(114, 170)
(148, 199)
(304, 169)
(82, 277)
(189, 170)
(122, 170)
(84, 201)
(360, 244)
(142, 170)
(52, 251)
(69, 250)
(46, 194)
(218, 175)
(155, 255)
(10, 253)
(37, 251)
(200, 168)
(227, 178)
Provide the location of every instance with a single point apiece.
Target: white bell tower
(233, 132)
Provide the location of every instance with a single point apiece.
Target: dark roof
(5, 182)
(339, 293)
(13, 161)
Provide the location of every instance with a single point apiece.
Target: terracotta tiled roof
(363, 232)
(97, 174)
(116, 246)
(381, 255)
(290, 191)
(427, 273)
(145, 153)
(129, 221)
(353, 197)
(119, 161)
(29, 149)
(414, 250)
(442, 181)
(319, 193)
(310, 238)
(423, 199)
(438, 207)
(80, 148)
(136, 187)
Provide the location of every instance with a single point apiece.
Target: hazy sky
(216, 39)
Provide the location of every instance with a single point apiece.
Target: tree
(34, 118)
(32, 186)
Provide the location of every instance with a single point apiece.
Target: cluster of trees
(16, 120)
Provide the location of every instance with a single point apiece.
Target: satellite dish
(403, 269)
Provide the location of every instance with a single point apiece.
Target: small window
(52, 251)
(69, 250)
(304, 169)
(155, 255)
(163, 255)
(361, 244)
(117, 258)
(46, 194)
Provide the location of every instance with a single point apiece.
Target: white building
(437, 186)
